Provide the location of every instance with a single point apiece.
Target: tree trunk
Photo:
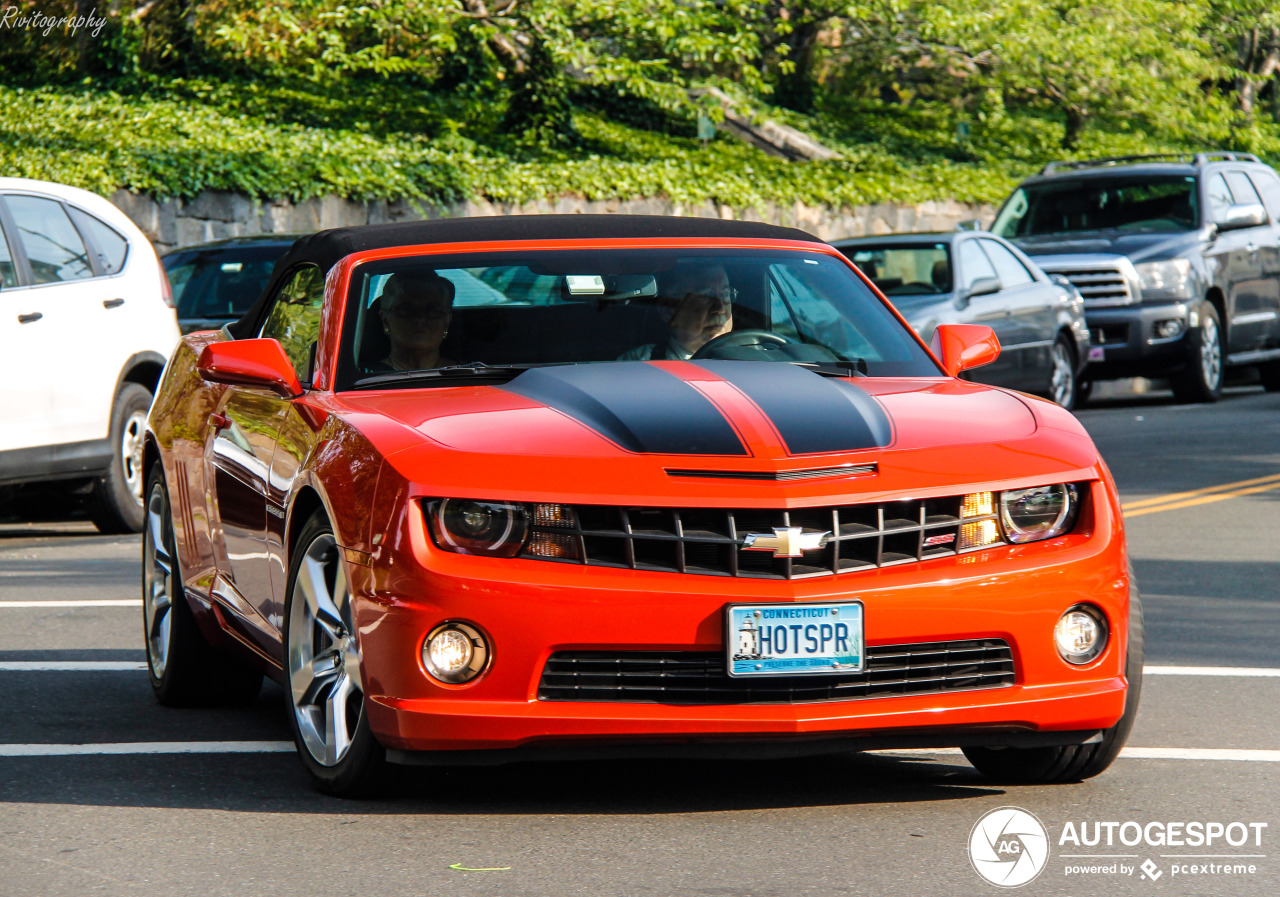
(1075, 127)
(795, 88)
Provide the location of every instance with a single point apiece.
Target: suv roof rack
(1193, 159)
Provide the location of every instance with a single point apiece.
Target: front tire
(1201, 380)
(1064, 387)
(116, 500)
(322, 660)
(1072, 763)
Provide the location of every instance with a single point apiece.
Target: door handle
(112, 303)
(218, 422)
(27, 319)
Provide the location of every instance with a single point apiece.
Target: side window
(8, 275)
(111, 247)
(1011, 271)
(295, 317)
(974, 263)
(1269, 186)
(1242, 189)
(53, 246)
(1220, 198)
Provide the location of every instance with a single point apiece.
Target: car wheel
(184, 669)
(115, 502)
(322, 657)
(1201, 381)
(1063, 385)
(1072, 763)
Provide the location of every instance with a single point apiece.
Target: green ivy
(271, 141)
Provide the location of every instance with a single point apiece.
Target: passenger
(697, 305)
(416, 309)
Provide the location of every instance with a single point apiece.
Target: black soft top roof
(328, 247)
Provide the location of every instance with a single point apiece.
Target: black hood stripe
(812, 413)
(635, 405)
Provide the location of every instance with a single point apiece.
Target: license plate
(793, 639)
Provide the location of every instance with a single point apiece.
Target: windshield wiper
(856, 367)
(475, 370)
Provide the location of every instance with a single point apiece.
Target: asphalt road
(209, 822)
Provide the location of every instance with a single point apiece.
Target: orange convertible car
(482, 490)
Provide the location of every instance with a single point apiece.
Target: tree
(1246, 35)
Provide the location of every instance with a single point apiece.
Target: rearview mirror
(961, 347)
(983, 286)
(1243, 215)
(250, 362)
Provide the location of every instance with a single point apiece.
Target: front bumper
(530, 609)
(1125, 339)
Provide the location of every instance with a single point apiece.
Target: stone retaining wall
(213, 215)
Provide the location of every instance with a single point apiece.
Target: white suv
(86, 324)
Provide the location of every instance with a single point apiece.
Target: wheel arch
(305, 504)
(143, 368)
(1215, 297)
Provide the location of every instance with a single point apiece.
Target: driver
(696, 302)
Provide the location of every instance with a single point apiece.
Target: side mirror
(1243, 215)
(250, 362)
(961, 347)
(983, 286)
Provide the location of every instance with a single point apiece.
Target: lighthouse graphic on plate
(748, 641)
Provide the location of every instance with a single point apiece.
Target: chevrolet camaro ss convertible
(483, 490)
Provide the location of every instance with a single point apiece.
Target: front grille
(695, 677)
(1100, 285)
(710, 541)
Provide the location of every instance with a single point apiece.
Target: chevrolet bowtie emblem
(786, 541)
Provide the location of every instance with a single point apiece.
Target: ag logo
(1008, 847)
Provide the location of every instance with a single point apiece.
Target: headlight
(1166, 280)
(494, 528)
(1029, 515)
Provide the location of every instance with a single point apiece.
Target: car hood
(679, 428)
(1138, 247)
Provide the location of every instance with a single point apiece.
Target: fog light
(1081, 634)
(455, 652)
(1168, 329)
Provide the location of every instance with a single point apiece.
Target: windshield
(1152, 204)
(457, 313)
(920, 270)
(220, 283)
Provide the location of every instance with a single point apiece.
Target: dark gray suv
(1178, 259)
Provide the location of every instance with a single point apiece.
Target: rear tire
(184, 669)
(1201, 380)
(1072, 763)
(116, 501)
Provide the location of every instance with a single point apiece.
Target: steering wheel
(743, 338)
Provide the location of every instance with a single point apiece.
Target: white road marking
(87, 602)
(71, 666)
(147, 747)
(1134, 753)
(1266, 672)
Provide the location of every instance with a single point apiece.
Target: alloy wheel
(131, 445)
(324, 660)
(1062, 384)
(1210, 353)
(158, 580)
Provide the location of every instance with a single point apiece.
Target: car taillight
(166, 291)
